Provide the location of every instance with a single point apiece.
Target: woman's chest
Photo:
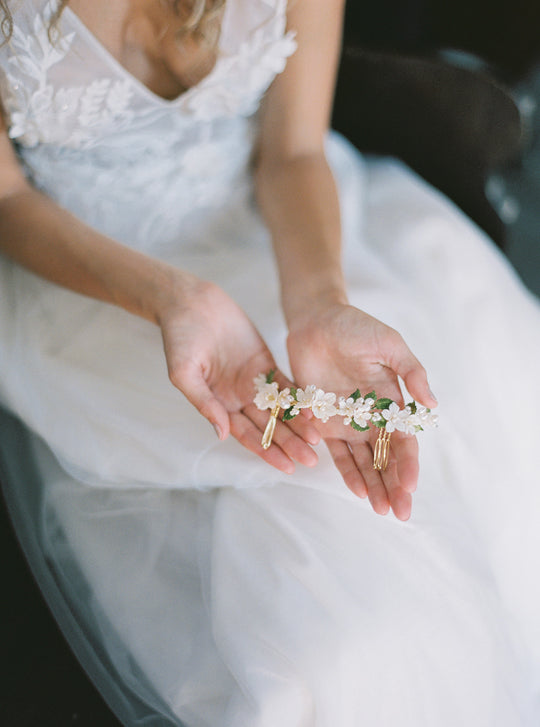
(160, 43)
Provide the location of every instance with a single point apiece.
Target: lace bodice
(74, 92)
(87, 129)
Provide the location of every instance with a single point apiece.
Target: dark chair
(452, 125)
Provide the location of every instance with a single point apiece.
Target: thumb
(192, 384)
(408, 367)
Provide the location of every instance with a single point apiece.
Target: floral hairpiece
(360, 412)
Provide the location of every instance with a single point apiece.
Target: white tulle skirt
(225, 594)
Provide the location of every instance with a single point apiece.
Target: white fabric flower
(323, 405)
(285, 399)
(426, 418)
(358, 411)
(422, 417)
(346, 409)
(259, 381)
(362, 411)
(411, 422)
(395, 417)
(305, 397)
(267, 396)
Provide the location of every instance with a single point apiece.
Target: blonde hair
(199, 18)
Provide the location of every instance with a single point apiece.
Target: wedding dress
(212, 588)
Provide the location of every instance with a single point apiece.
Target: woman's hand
(339, 348)
(213, 353)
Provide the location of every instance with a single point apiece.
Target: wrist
(305, 306)
(167, 289)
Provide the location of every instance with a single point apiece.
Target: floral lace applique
(239, 81)
(41, 112)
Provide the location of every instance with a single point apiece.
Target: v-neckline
(113, 61)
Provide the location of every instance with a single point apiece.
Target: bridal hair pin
(359, 412)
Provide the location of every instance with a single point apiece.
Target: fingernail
(433, 396)
(218, 430)
(313, 459)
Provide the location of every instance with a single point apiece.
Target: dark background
(505, 34)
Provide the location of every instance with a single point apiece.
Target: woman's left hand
(340, 348)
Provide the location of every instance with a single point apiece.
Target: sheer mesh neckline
(112, 61)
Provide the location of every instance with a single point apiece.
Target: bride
(175, 220)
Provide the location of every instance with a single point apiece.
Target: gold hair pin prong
(381, 453)
(266, 440)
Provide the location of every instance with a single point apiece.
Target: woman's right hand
(213, 353)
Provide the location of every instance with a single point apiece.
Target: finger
(344, 461)
(400, 499)
(294, 446)
(304, 428)
(408, 367)
(405, 451)
(290, 442)
(378, 496)
(191, 382)
(249, 436)
(401, 503)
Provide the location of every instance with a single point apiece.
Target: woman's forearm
(54, 244)
(299, 202)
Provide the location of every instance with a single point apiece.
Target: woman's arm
(54, 244)
(331, 344)
(295, 187)
(212, 349)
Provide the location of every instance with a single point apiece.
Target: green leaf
(270, 376)
(412, 407)
(358, 428)
(380, 423)
(293, 393)
(355, 395)
(383, 403)
(287, 415)
(371, 395)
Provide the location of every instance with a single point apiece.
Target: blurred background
(454, 90)
(451, 88)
